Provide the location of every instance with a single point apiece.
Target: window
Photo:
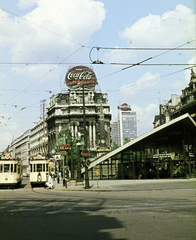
(6, 168)
(39, 167)
(1, 168)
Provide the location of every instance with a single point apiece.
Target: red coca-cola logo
(80, 75)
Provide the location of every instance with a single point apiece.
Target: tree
(115, 146)
(126, 140)
(69, 140)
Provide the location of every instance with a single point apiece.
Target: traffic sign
(88, 162)
(97, 172)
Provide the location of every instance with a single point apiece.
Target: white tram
(11, 172)
(38, 172)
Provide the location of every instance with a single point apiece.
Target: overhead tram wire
(147, 81)
(42, 76)
(135, 64)
(23, 108)
(171, 49)
(46, 29)
(139, 63)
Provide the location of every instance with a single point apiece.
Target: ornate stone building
(179, 104)
(67, 110)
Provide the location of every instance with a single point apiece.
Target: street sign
(85, 153)
(97, 172)
(62, 140)
(63, 147)
(63, 153)
(88, 162)
(57, 153)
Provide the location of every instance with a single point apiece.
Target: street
(164, 211)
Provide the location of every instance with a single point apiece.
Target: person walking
(50, 182)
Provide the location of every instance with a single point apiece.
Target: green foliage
(178, 171)
(65, 133)
(115, 146)
(126, 140)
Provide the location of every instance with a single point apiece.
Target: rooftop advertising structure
(80, 75)
(124, 107)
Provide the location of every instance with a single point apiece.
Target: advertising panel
(80, 75)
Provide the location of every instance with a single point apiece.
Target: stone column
(94, 135)
(76, 131)
(90, 134)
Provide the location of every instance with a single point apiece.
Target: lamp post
(72, 164)
(85, 141)
(63, 171)
(79, 180)
(66, 158)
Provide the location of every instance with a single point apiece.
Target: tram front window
(39, 167)
(6, 168)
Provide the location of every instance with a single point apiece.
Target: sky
(136, 40)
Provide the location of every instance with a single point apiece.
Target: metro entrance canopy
(175, 138)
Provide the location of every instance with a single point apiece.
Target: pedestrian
(60, 176)
(50, 182)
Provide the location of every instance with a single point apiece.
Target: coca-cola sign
(80, 75)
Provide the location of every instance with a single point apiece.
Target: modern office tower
(127, 123)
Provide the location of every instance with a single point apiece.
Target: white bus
(11, 172)
(38, 172)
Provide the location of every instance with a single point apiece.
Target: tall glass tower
(127, 123)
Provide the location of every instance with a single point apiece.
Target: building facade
(127, 123)
(114, 131)
(125, 127)
(178, 104)
(39, 139)
(68, 110)
(20, 148)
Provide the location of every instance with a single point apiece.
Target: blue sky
(41, 39)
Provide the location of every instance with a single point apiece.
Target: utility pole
(85, 141)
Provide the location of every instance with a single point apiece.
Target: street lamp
(72, 164)
(79, 180)
(67, 170)
(85, 142)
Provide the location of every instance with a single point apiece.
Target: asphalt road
(160, 212)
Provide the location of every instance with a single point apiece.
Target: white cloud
(119, 56)
(73, 22)
(23, 4)
(169, 30)
(147, 82)
(145, 117)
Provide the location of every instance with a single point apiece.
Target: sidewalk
(129, 185)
